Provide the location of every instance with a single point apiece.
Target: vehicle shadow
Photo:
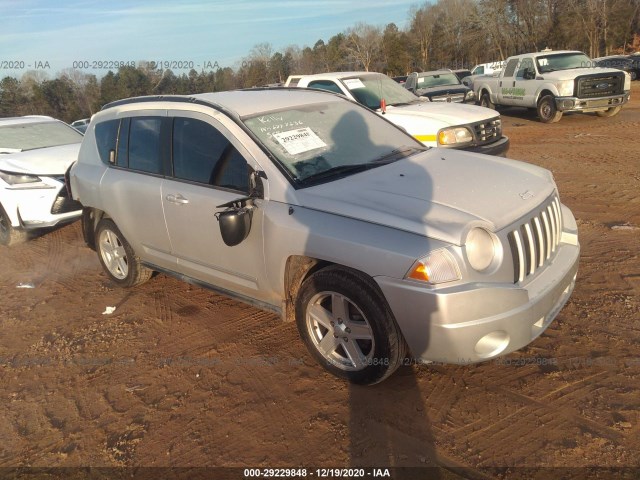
(376, 412)
(389, 426)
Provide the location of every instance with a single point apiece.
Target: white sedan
(35, 152)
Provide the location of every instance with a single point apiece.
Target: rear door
(506, 84)
(211, 167)
(131, 186)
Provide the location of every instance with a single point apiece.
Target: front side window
(203, 154)
(526, 64)
(144, 144)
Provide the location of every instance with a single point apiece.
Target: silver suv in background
(35, 152)
(309, 205)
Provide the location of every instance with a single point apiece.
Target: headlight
(438, 267)
(470, 95)
(19, 178)
(565, 89)
(454, 136)
(482, 248)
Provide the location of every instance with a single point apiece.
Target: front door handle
(179, 199)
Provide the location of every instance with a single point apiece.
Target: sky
(52, 35)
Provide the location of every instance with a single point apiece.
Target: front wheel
(117, 257)
(609, 112)
(547, 110)
(8, 234)
(348, 327)
(485, 101)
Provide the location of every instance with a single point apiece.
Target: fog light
(492, 344)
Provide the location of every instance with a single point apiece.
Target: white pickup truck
(435, 124)
(554, 83)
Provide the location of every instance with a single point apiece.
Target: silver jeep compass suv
(309, 205)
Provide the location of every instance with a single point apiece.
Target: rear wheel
(117, 257)
(348, 327)
(9, 235)
(547, 110)
(609, 112)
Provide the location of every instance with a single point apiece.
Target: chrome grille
(534, 242)
(599, 85)
(454, 97)
(488, 131)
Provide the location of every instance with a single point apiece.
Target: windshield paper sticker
(353, 83)
(299, 141)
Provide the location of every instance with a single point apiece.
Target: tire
(609, 112)
(633, 75)
(485, 101)
(547, 110)
(360, 341)
(9, 235)
(117, 257)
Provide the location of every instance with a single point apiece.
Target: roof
(434, 72)
(338, 75)
(244, 102)
(545, 54)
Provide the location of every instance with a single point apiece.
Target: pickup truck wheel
(348, 327)
(117, 257)
(609, 112)
(485, 101)
(547, 110)
(8, 234)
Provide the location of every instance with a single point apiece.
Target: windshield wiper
(396, 154)
(337, 171)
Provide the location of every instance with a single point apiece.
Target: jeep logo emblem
(526, 195)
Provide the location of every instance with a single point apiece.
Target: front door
(210, 167)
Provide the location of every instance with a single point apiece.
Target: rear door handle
(179, 199)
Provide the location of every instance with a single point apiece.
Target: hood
(443, 113)
(41, 161)
(438, 193)
(571, 74)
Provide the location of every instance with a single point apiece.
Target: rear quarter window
(106, 138)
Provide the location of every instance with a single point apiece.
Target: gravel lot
(178, 376)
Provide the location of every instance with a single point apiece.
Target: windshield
(29, 136)
(369, 89)
(323, 141)
(562, 61)
(438, 80)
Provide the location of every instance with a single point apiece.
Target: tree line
(441, 34)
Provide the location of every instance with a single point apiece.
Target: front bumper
(475, 322)
(33, 208)
(499, 148)
(575, 104)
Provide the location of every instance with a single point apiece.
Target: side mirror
(235, 221)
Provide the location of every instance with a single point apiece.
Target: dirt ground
(178, 376)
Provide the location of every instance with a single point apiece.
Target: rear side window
(144, 144)
(202, 154)
(106, 138)
(510, 68)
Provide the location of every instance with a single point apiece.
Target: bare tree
(364, 43)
